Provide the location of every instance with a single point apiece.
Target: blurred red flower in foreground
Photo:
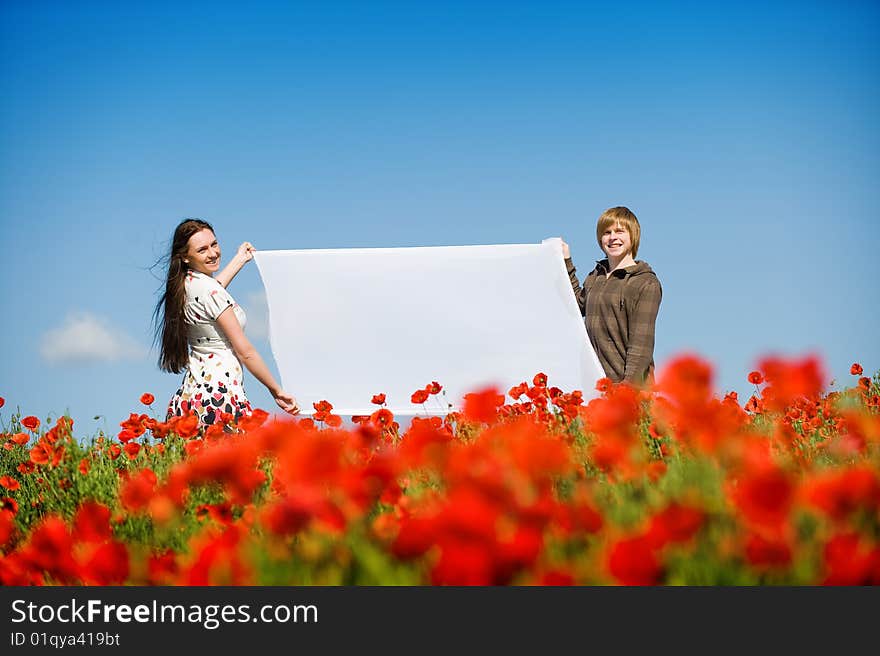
(642, 486)
(632, 561)
(764, 497)
(791, 380)
(850, 560)
(137, 490)
(482, 406)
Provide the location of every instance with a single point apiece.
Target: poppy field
(671, 485)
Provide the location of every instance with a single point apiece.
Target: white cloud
(83, 338)
(257, 310)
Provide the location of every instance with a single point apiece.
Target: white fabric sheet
(345, 324)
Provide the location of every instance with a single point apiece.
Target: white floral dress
(212, 383)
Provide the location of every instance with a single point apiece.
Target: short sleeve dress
(212, 383)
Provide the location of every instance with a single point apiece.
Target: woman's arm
(250, 358)
(244, 255)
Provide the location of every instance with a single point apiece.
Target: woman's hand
(566, 252)
(287, 402)
(244, 255)
(246, 251)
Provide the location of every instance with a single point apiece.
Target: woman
(200, 330)
(619, 299)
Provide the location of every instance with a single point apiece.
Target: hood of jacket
(640, 268)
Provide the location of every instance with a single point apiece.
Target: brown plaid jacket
(620, 313)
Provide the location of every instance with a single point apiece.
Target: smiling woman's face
(203, 254)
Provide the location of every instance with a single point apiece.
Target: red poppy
(132, 449)
(419, 396)
(286, 517)
(755, 378)
(383, 417)
(135, 424)
(482, 406)
(632, 561)
(92, 522)
(137, 490)
(50, 548)
(7, 528)
(540, 380)
(9, 483)
(2, 401)
(791, 380)
(840, 493)
(107, 564)
(113, 451)
(603, 385)
(556, 577)
(185, 426)
(378, 399)
(764, 497)
(687, 380)
(21, 438)
(26, 467)
(856, 369)
(754, 405)
(147, 398)
(252, 421)
(517, 390)
(433, 387)
(323, 407)
(8, 504)
(126, 435)
(31, 423)
(850, 560)
(675, 523)
(765, 552)
(41, 453)
(463, 562)
(334, 421)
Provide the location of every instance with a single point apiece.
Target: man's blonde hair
(624, 217)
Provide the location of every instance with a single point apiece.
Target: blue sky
(743, 135)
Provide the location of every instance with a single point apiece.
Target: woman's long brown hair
(168, 318)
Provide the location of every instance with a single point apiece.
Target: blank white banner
(345, 324)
